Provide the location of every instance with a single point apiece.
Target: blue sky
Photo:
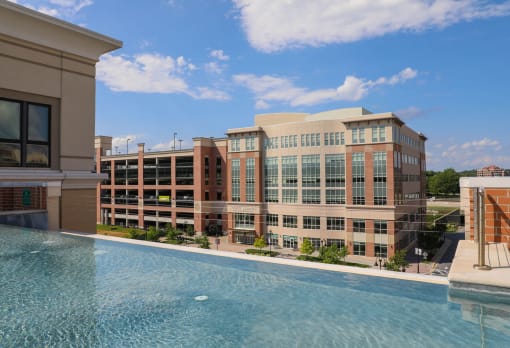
(199, 67)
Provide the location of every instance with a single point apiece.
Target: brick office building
(344, 177)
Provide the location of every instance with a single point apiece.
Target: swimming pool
(59, 290)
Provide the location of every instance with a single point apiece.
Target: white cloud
(145, 73)
(468, 155)
(213, 68)
(120, 144)
(268, 88)
(57, 8)
(219, 54)
(151, 73)
(277, 25)
(409, 113)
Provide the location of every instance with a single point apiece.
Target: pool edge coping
(281, 261)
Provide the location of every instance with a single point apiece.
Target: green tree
(133, 233)
(259, 243)
(153, 234)
(190, 230)
(329, 254)
(343, 252)
(203, 242)
(172, 233)
(398, 261)
(445, 182)
(306, 247)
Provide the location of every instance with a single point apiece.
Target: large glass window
(242, 220)
(218, 170)
(271, 179)
(335, 196)
(289, 171)
(380, 227)
(311, 171)
(311, 222)
(335, 223)
(335, 170)
(250, 180)
(236, 180)
(358, 178)
(311, 196)
(380, 196)
(250, 143)
(381, 250)
(289, 196)
(290, 242)
(235, 145)
(272, 219)
(290, 221)
(24, 134)
(359, 248)
(358, 225)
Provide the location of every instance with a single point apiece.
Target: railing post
(480, 197)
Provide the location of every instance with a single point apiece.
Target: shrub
(398, 261)
(306, 247)
(203, 242)
(133, 233)
(261, 252)
(153, 234)
(259, 243)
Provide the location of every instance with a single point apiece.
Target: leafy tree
(260, 243)
(398, 261)
(306, 247)
(133, 233)
(329, 254)
(343, 252)
(153, 234)
(172, 233)
(445, 182)
(190, 230)
(203, 242)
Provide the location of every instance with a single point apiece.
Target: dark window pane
(38, 122)
(9, 155)
(37, 155)
(9, 120)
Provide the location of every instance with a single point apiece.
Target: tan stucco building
(47, 119)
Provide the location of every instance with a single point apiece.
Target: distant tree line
(446, 182)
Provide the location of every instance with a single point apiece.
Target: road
(444, 265)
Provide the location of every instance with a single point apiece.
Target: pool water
(59, 290)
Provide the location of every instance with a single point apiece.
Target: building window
(311, 222)
(311, 171)
(380, 196)
(335, 223)
(206, 170)
(358, 225)
(250, 180)
(378, 134)
(316, 243)
(290, 241)
(339, 243)
(236, 180)
(289, 195)
(354, 135)
(290, 221)
(272, 219)
(380, 227)
(311, 196)
(273, 238)
(218, 196)
(335, 170)
(381, 250)
(335, 196)
(235, 145)
(249, 143)
(244, 221)
(289, 171)
(359, 248)
(218, 170)
(358, 178)
(24, 134)
(206, 195)
(271, 179)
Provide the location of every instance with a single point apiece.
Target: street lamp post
(127, 145)
(175, 133)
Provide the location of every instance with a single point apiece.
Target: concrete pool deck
(462, 274)
(275, 260)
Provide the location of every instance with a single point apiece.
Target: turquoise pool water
(59, 290)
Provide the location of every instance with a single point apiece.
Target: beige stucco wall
(46, 60)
